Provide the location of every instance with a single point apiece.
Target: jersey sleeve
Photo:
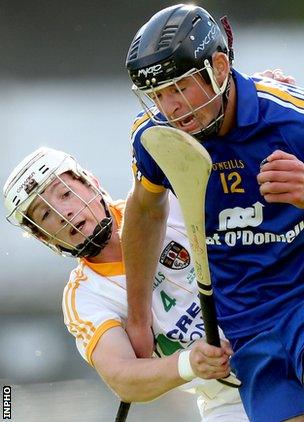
(87, 315)
(293, 130)
(286, 113)
(144, 167)
(294, 138)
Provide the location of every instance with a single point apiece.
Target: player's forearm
(142, 237)
(140, 380)
(135, 379)
(146, 379)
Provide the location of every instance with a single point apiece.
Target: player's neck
(230, 112)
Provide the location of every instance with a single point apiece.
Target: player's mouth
(189, 124)
(77, 227)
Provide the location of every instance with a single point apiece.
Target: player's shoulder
(88, 286)
(280, 95)
(76, 278)
(81, 278)
(78, 274)
(143, 121)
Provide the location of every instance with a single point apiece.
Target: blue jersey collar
(247, 105)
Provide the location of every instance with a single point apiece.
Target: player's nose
(65, 214)
(170, 104)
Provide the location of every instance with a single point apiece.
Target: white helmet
(30, 178)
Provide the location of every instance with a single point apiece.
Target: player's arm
(142, 237)
(138, 380)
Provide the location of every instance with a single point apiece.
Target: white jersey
(95, 300)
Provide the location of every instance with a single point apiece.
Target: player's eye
(180, 89)
(155, 97)
(45, 215)
(66, 194)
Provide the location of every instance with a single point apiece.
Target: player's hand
(210, 362)
(281, 179)
(141, 338)
(277, 75)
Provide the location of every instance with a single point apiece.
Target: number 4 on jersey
(168, 301)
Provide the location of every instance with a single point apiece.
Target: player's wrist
(185, 370)
(140, 317)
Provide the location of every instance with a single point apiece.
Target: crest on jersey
(175, 256)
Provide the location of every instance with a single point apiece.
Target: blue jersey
(255, 249)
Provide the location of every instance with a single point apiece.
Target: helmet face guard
(150, 102)
(28, 182)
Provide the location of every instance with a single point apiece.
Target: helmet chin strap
(97, 240)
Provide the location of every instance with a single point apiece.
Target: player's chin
(77, 239)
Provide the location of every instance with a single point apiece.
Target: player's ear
(221, 66)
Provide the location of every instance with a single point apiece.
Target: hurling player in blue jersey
(253, 128)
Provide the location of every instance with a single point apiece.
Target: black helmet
(174, 41)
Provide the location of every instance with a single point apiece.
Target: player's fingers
(283, 164)
(290, 80)
(275, 187)
(200, 358)
(208, 350)
(274, 176)
(209, 355)
(221, 362)
(284, 198)
(216, 373)
(295, 198)
(279, 154)
(279, 75)
(226, 347)
(266, 74)
(287, 79)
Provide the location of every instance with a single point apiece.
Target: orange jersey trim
(107, 269)
(111, 323)
(83, 329)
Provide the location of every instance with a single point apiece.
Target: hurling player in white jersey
(50, 196)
